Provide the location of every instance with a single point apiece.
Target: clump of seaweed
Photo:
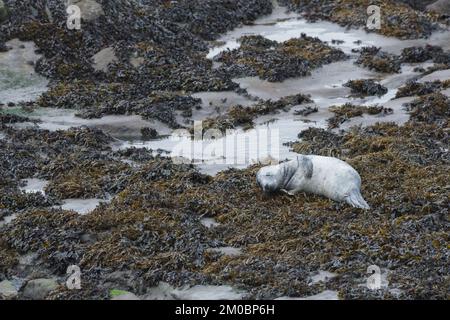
(94, 101)
(400, 19)
(414, 88)
(431, 108)
(151, 231)
(366, 87)
(422, 54)
(347, 111)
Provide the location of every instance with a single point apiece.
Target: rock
(137, 61)
(38, 289)
(103, 58)
(7, 290)
(440, 6)
(90, 10)
(3, 11)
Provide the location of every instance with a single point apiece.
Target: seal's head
(269, 179)
(285, 175)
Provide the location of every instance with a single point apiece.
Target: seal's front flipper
(356, 200)
(291, 193)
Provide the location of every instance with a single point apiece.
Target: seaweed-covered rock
(90, 10)
(366, 87)
(420, 54)
(375, 59)
(276, 62)
(93, 101)
(431, 108)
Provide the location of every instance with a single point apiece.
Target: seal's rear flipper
(356, 200)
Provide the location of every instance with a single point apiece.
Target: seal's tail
(356, 200)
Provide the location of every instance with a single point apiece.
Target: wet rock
(366, 88)
(123, 295)
(7, 290)
(38, 289)
(103, 58)
(431, 108)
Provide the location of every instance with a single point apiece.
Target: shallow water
(209, 222)
(81, 206)
(227, 251)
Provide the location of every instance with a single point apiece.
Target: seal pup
(325, 176)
